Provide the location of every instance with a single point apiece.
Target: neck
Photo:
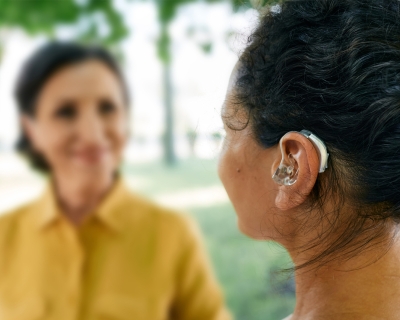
(365, 287)
(79, 196)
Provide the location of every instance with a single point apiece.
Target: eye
(67, 110)
(106, 106)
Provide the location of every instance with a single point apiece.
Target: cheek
(118, 133)
(249, 189)
(53, 141)
(225, 162)
(231, 171)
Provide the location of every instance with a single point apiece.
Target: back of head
(333, 67)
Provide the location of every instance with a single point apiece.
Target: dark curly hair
(333, 67)
(37, 71)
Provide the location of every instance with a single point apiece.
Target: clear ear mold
(286, 174)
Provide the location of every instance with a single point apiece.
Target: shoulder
(171, 218)
(16, 215)
(162, 219)
(12, 220)
(180, 223)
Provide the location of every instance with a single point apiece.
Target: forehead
(231, 109)
(83, 79)
(234, 76)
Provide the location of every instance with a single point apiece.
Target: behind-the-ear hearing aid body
(287, 173)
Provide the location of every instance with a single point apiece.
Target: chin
(252, 233)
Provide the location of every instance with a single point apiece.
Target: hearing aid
(286, 173)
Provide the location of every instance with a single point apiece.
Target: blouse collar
(107, 212)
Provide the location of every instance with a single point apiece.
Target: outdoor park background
(177, 56)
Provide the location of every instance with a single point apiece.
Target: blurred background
(177, 56)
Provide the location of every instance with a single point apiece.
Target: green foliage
(163, 45)
(206, 47)
(42, 16)
(37, 15)
(118, 29)
(167, 10)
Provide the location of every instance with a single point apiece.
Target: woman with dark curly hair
(89, 248)
(312, 154)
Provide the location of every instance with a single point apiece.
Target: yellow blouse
(131, 260)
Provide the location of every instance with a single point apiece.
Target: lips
(91, 156)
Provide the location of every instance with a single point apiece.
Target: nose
(91, 129)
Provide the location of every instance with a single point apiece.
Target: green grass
(189, 174)
(248, 270)
(246, 267)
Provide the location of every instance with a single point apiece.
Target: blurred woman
(311, 157)
(89, 248)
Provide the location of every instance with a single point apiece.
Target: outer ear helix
(286, 174)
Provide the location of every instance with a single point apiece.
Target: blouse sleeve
(198, 295)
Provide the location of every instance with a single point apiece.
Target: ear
(29, 128)
(306, 161)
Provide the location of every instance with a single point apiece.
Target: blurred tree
(192, 136)
(167, 10)
(43, 16)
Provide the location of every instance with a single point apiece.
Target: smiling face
(80, 122)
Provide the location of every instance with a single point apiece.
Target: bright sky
(199, 80)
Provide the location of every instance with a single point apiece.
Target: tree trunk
(169, 145)
(164, 53)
